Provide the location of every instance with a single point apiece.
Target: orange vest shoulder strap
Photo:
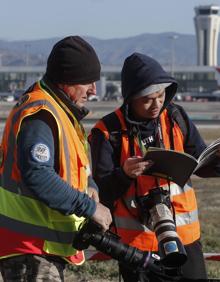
(111, 124)
(121, 118)
(101, 126)
(172, 134)
(176, 116)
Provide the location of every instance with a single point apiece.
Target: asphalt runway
(204, 114)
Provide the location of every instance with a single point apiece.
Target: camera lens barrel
(110, 245)
(157, 215)
(171, 250)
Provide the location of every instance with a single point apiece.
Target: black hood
(140, 71)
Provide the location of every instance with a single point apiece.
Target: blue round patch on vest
(40, 153)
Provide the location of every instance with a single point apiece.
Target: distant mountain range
(160, 46)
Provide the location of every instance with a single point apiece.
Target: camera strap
(175, 115)
(160, 135)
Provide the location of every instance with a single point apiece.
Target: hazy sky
(104, 19)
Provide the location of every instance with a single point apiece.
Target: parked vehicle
(6, 96)
(93, 98)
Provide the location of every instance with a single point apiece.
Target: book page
(208, 157)
(211, 149)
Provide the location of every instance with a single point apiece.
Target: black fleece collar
(147, 129)
(54, 91)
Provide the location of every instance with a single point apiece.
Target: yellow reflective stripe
(26, 210)
(20, 208)
(36, 231)
(61, 249)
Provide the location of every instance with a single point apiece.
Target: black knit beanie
(73, 61)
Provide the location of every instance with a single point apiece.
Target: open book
(178, 166)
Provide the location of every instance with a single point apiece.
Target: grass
(102, 271)
(209, 134)
(208, 197)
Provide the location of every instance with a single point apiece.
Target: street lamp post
(27, 46)
(1, 55)
(173, 38)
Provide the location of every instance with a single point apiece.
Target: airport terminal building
(191, 79)
(201, 80)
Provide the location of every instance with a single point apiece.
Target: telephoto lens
(157, 215)
(170, 247)
(109, 243)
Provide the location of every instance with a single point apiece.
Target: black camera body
(156, 214)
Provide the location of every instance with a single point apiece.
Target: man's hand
(102, 216)
(135, 166)
(92, 193)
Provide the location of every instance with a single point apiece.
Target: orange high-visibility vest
(126, 214)
(28, 225)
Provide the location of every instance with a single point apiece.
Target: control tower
(207, 29)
